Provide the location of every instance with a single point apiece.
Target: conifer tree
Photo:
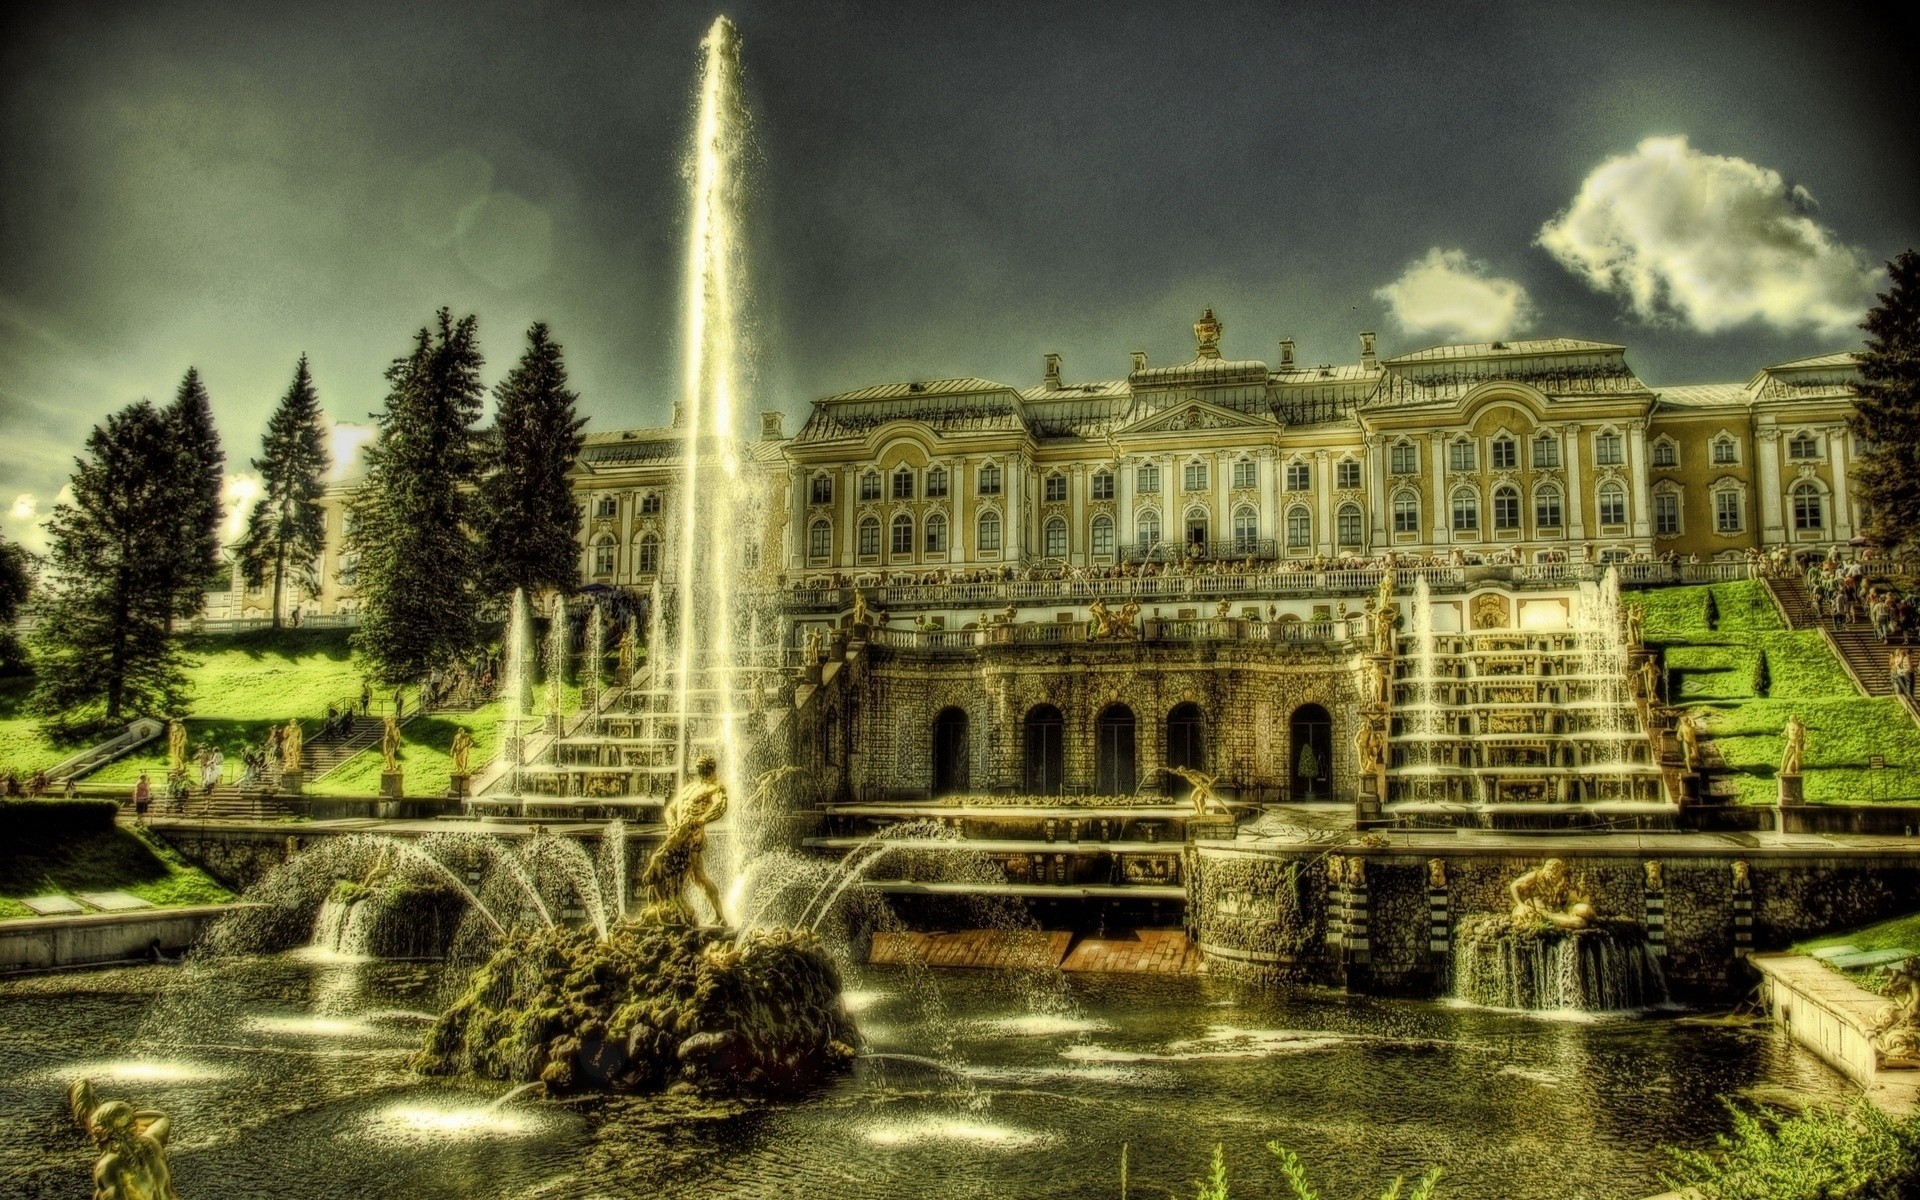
(1762, 676)
(530, 523)
(198, 476)
(16, 582)
(104, 642)
(287, 529)
(410, 517)
(1887, 414)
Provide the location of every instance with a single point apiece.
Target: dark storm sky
(942, 188)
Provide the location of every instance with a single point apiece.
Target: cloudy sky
(941, 189)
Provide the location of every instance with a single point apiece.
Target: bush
(75, 817)
(1214, 1186)
(1762, 676)
(1861, 1154)
(1710, 611)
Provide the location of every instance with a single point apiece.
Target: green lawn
(1714, 673)
(1897, 933)
(424, 759)
(34, 862)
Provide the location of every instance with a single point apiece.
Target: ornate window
(1103, 536)
(902, 536)
(650, 504)
(1666, 513)
(1146, 480)
(1466, 511)
(1193, 477)
(1148, 525)
(1056, 538)
(821, 491)
(1404, 459)
(1728, 515)
(1546, 508)
(1406, 512)
(606, 506)
(1246, 473)
(1808, 510)
(869, 537)
(1506, 508)
(1506, 455)
(603, 556)
(1726, 452)
(936, 483)
(1666, 453)
(1462, 455)
(1546, 450)
(990, 480)
(648, 560)
(936, 533)
(870, 485)
(1608, 449)
(1055, 488)
(819, 539)
(1346, 473)
(1613, 504)
(1299, 476)
(1246, 529)
(903, 483)
(1347, 525)
(1803, 445)
(1102, 485)
(1299, 527)
(987, 533)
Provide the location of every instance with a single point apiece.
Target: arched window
(1113, 751)
(1186, 744)
(990, 480)
(870, 485)
(1102, 485)
(1613, 504)
(1246, 473)
(1310, 753)
(1198, 529)
(819, 539)
(987, 533)
(1404, 459)
(1808, 511)
(1466, 511)
(1547, 507)
(1246, 529)
(936, 533)
(1803, 445)
(1299, 527)
(1148, 526)
(1103, 536)
(1347, 525)
(1546, 449)
(869, 545)
(1666, 510)
(821, 489)
(1506, 508)
(1346, 474)
(1406, 512)
(1193, 477)
(1045, 762)
(1056, 540)
(1299, 475)
(902, 536)
(1725, 452)
(1506, 453)
(1054, 489)
(903, 483)
(603, 556)
(949, 752)
(649, 559)
(1146, 480)
(606, 506)
(1666, 453)
(1729, 510)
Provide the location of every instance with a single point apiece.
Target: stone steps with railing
(1859, 649)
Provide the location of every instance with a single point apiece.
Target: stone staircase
(1858, 647)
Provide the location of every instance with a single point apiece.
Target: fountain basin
(1502, 962)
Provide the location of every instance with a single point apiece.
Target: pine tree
(199, 477)
(1710, 611)
(1887, 474)
(16, 582)
(410, 517)
(104, 642)
(1762, 676)
(530, 523)
(287, 528)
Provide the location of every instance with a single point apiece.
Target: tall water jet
(594, 659)
(519, 639)
(712, 373)
(559, 638)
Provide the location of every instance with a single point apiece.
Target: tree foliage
(1862, 1154)
(287, 529)
(529, 521)
(104, 641)
(1762, 676)
(198, 474)
(1710, 610)
(1887, 474)
(409, 523)
(16, 583)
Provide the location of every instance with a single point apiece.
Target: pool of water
(288, 1076)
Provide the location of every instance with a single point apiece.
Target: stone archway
(1186, 745)
(1310, 754)
(951, 758)
(1115, 767)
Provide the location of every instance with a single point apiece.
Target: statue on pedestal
(860, 616)
(176, 746)
(1126, 626)
(1366, 747)
(677, 861)
(390, 745)
(1635, 616)
(461, 748)
(813, 646)
(290, 747)
(1099, 620)
(1688, 731)
(1203, 795)
(1796, 736)
(133, 1146)
(629, 651)
(1543, 894)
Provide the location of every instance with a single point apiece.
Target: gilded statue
(1545, 894)
(176, 746)
(390, 745)
(1356, 871)
(1688, 730)
(677, 861)
(1202, 795)
(1366, 747)
(290, 747)
(1336, 870)
(813, 646)
(1126, 626)
(1099, 620)
(860, 614)
(1742, 875)
(1373, 683)
(1224, 609)
(629, 651)
(132, 1143)
(1635, 617)
(1656, 875)
(1896, 1030)
(1796, 735)
(1650, 681)
(1436, 873)
(461, 748)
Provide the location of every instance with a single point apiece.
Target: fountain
(1552, 951)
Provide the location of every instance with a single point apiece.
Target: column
(1842, 503)
(1437, 475)
(797, 526)
(1271, 523)
(961, 550)
(844, 501)
(1220, 524)
(1379, 501)
(1123, 508)
(1014, 479)
(1077, 549)
(1323, 488)
(1637, 479)
(1766, 452)
(1576, 491)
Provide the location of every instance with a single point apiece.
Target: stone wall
(1377, 937)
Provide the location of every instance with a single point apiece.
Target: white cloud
(344, 443)
(239, 493)
(1449, 294)
(1709, 242)
(24, 525)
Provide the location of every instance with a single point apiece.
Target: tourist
(142, 797)
(1900, 670)
(70, 789)
(366, 697)
(37, 786)
(399, 702)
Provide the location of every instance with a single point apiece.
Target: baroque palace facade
(1534, 451)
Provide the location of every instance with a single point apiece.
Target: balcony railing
(1151, 630)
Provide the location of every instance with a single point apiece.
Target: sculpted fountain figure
(860, 616)
(1366, 747)
(1203, 796)
(176, 746)
(1099, 620)
(677, 861)
(1544, 894)
(1635, 618)
(290, 747)
(1688, 731)
(461, 748)
(390, 745)
(1126, 626)
(1796, 736)
(133, 1146)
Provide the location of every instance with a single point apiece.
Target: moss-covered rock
(649, 1008)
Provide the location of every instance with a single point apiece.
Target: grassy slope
(424, 758)
(1715, 673)
(1898, 933)
(33, 864)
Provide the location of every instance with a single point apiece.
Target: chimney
(1366, 348)
(679, 413)
(772, 426)
(1053, 372)
(1139, 360)
(1286, 354)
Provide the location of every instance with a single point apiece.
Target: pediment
(1193, 416)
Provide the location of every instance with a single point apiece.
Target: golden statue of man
(1796, 736)
(1366, 746)
(461, 748)
(176, 746)
(290, 747)
(1203, 796)
(133, 1146)
(390, 744)
(677, 861)
(1543, 894)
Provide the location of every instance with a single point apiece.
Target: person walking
(366, 697)
(142, 798)
(1900, 670)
